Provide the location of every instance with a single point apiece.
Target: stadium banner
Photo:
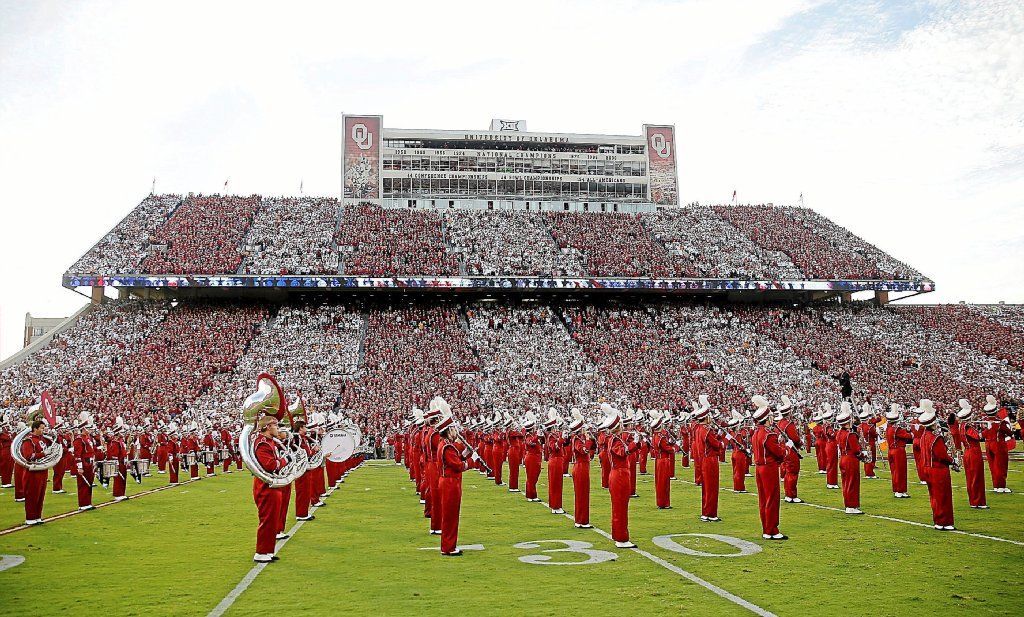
(360, 159)
(456, 283)
(661, 163)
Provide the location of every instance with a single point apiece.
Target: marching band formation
(436, 450)
(284, 446)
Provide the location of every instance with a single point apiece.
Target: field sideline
(183, 550)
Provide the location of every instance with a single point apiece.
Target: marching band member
(554, 441)
(452, 456)
(303, 484)
(33, 448)
(831, 448)
(707, 442)
(851, 454)
(819, 443)
(664, 448)
(431, 446)
(6, 460)
(500, 448)
(117, 451)
(66, 461)
(268, 500)
(917, 431)
(631, 423)
(533, 442)
(516, 443)
(896, 440)
(997, 431)
(684, 438)
(210, 445)
(84, 454)
(602, 457)
(790, 466)
(769, 453)
(582, 448)
(695, 449)
(619, 452)
(224, 436)
(190, 445)
(173, 453)
(740, 454)
(161, 448)
(974, 464)
(869, 436)
(937, 460)
(645, 445)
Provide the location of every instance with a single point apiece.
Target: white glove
(474, 457)
(790, 444)
(864, 454)
(728, 436)
(80, 469)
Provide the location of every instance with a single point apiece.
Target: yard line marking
(718, 591)
(248, 579)
(63, 515)
(888, 518)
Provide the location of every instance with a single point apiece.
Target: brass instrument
(54, 450)
(268, 399)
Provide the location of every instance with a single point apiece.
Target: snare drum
(106, 469)
(140, 465)
(190, 459)
(207, 457)
(225, 454)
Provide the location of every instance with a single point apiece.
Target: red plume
(46, 404)
(282, 405)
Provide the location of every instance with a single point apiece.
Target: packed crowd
(203, 236)
(411, 355)
(972, 328)
(380, 242)
(715, 248)
(821, 249)
(122, 250)
(309, 347)
(509, 242)
(614, 245)
(253, 235)
(196, 360)
(529, 361)
(292, 235)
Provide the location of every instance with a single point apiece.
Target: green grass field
(181, 551)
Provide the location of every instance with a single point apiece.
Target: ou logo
(362, 136)
(660, 145)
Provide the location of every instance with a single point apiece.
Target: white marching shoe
(263, 557)
(626, 544)
(121, 498)
(582, 526)
(853, 511)
(281, 536)
(557, 511)
(37, 521)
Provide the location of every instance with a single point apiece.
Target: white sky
(903, 122)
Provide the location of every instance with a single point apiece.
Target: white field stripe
(718, 591)
(247, 580)
(886, 518)
(58, 517)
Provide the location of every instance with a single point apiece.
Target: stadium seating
(144, 359)
(203, 236)
(292, 236)
(303, 235)
(975, 329)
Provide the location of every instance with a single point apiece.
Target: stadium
(548, 287)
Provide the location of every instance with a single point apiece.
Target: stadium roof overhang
(734, 289)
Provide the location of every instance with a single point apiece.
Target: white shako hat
(705, 403)
(553, 419)
(612, 417)
(866, 411)
(965, 409)
(991, 404)
(577, 420)
(845, 413)
(928, 415)
(785, 407)
(763, 408)
(826, 411)
(894, 412)
(417, 416)
(656, 419)
(529, 420)
(445, 419)
(437, 408)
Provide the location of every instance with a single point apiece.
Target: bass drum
(340, 444)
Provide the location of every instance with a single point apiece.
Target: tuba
(297, 412)
(268, 399)
(54, 451)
